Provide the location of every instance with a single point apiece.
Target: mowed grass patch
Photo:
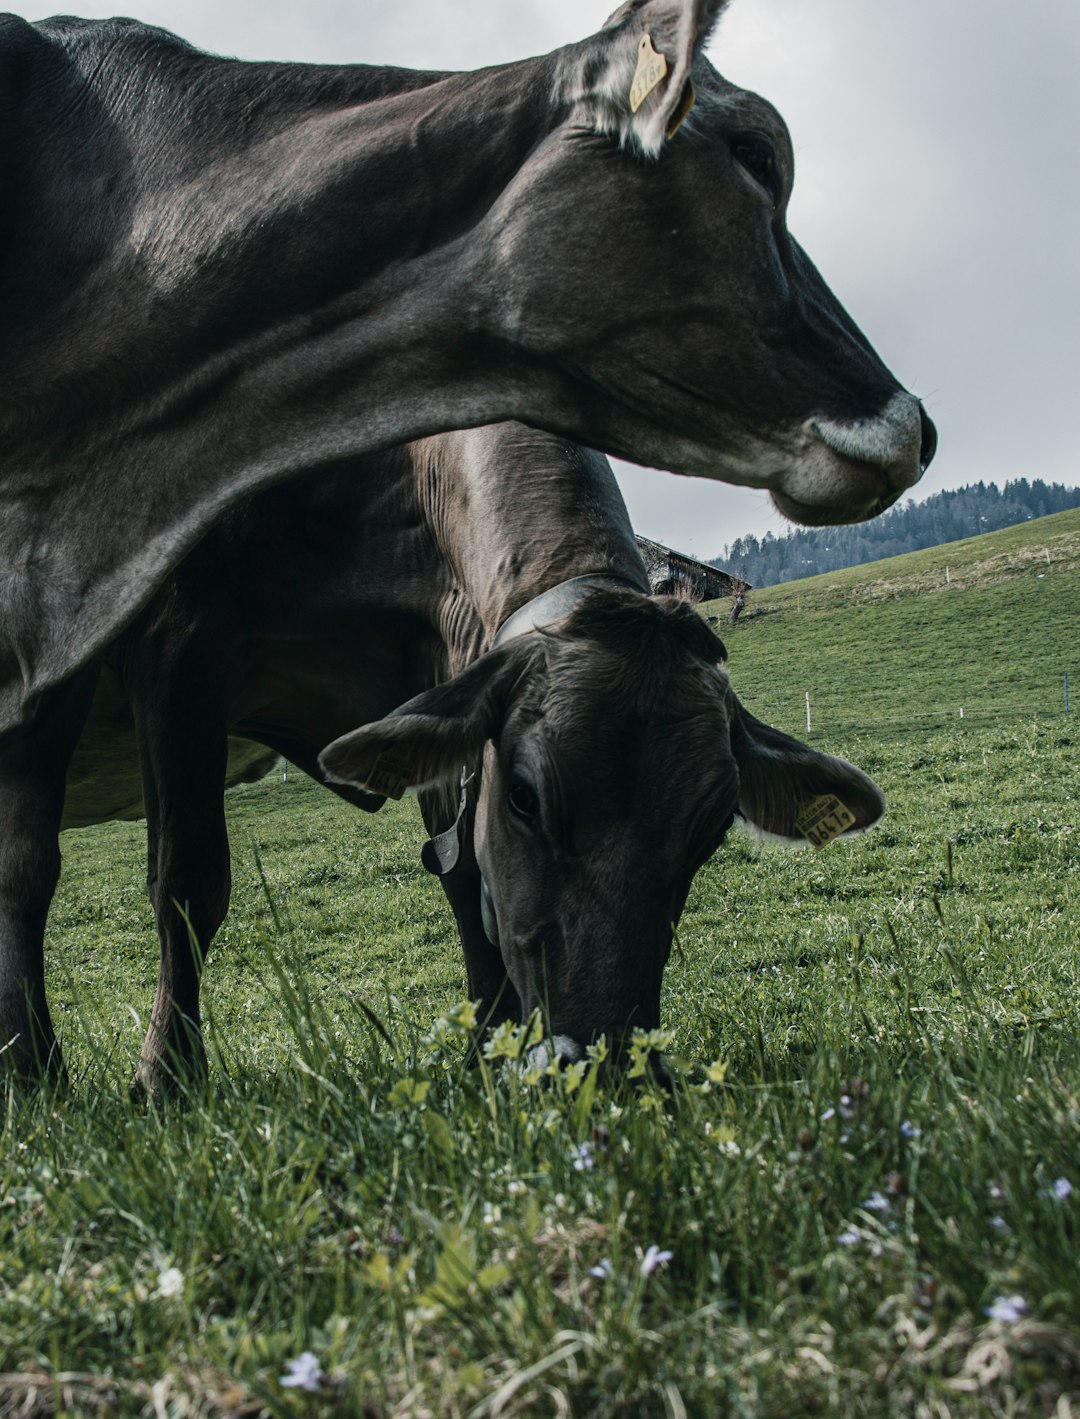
(863, 1177)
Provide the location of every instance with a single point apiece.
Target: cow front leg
(33, 771)
(189, 883)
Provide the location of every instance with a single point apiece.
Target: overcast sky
(937, 188)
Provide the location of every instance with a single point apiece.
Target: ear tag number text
(824, 819)
(391, 774)
(651, 68)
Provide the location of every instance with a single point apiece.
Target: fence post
(1066, 692)
(808, 711)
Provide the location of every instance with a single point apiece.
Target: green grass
(898, 1016)
(895, 646)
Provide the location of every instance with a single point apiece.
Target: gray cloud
(937, 146)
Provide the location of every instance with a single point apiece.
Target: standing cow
(216, 275)
(478, 602)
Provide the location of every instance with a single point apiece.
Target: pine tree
(945, 517)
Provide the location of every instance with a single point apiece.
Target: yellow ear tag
(682, 113)
(391, 774)
(651, 68)
(824, 819)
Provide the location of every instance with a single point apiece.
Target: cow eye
(758, 157)
(522, 799)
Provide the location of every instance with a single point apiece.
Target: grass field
(864, 1178)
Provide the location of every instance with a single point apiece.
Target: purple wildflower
(1007, 1309)
(653, 1259)
(304, 1372)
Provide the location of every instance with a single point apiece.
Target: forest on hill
(945, 517)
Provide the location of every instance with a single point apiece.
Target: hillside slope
(989, 625)
(910, 526)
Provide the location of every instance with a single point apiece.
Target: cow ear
(644, 91)
(788, 790)
(427, 740)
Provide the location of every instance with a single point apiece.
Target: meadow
(862, 1196)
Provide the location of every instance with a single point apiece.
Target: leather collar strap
(556, 603)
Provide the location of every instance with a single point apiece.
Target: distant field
(868, 1177)
(989, 625)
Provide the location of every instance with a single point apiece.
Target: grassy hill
(989, 625)
(867, 1177)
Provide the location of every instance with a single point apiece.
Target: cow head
(714, 347)
(614, 758)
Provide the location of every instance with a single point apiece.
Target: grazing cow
(489, 580)
(218, 274)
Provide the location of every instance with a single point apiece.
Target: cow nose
(560, 1047)
(567, 1050)
(929, 439)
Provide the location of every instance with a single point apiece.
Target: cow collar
(550, 606)
(441, 852)
(556, 603)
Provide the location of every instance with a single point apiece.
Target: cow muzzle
(851, 470)
(565, 1050)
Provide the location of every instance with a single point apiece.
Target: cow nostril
(929, 439)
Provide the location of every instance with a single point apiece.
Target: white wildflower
(170, 1282)
(850, 1237)
(908, 1130)
(582, 1154)
(876, 1202)
(1007, 1309)
(304, 1372)
(603, 1270)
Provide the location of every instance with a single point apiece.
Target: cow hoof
(30, 1070)
(159, 1079)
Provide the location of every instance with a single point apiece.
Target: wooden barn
(672, 571)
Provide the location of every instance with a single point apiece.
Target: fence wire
(887, 713)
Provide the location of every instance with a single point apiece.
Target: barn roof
(670, 570)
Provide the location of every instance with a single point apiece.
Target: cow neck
(514, 514)
(557, 603)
